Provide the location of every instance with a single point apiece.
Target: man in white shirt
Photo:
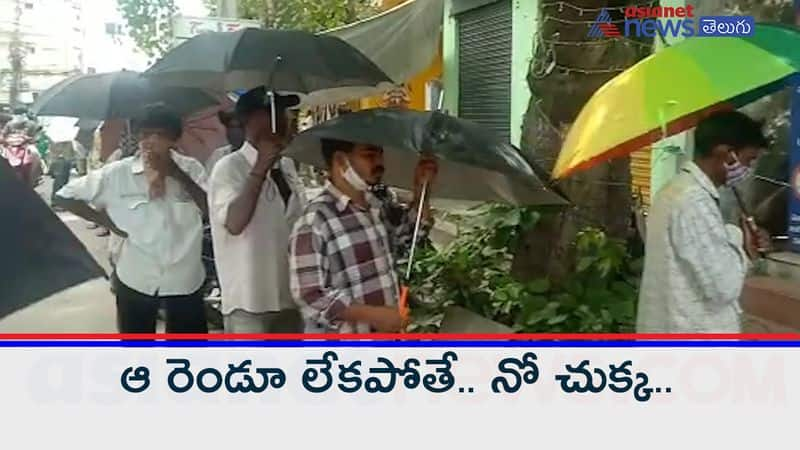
(234, 134)
(695, 264)
(155, 201)
(255, 197)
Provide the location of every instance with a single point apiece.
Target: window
(113, 28)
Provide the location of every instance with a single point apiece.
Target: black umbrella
(40, 256)
(116, 95)
(474, 162)
(320, 69)
(88, 124)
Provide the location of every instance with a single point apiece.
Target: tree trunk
(567, 68)
(271, 16)
(352, 11)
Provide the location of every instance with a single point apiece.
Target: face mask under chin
(355, 179)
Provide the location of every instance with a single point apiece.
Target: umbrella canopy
(88, 124)
(115, 95)
(474, 163)
(320, 69)
(672, 90)
(40, 255)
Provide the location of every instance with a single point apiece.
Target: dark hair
(19, 125)
(159, 116)
(731, 128)
(331, 146)
(226, 117)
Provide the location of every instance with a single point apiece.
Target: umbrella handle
(417, 225)
(402, 303)
(271, 92)
(402, 306)
(272, 110)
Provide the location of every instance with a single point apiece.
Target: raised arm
(241, 209)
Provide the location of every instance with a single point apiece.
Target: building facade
(108, 46)
(488, 46)
(49, 37)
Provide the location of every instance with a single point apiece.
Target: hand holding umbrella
(756, 240)
(268, 153)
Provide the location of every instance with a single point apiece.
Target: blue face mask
(736, 172)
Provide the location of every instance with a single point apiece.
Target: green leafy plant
(308, 15)
(149, 23)
(474, 272)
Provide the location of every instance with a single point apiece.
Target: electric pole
(16, 55)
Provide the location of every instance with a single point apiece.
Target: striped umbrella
(672, 90)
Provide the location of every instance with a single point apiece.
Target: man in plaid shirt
(343, 249)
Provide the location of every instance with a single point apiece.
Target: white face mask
(354, 178)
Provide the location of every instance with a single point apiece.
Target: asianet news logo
(669, 21)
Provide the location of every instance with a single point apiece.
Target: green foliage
(150, 23)
(211, 7)
(474, 272)
(308, 15)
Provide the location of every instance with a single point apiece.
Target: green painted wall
(665, 165)
(524, 21)
(450, 60)
(524, 26)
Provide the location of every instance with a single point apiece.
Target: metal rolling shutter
(484, 72)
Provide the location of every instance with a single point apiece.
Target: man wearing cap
(254, 198)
